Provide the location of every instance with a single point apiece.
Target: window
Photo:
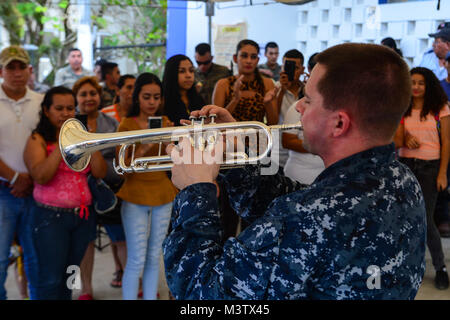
(358, 30)
(336, 31)
(325, 14)
(313, 31)
(347, 14)
(304, 17)
(384, 29)
(411, 28)
(302, 46)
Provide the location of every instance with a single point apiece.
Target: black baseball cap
(443, 33)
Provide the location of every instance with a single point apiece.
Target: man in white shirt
(19, 109)
(291, 90)
(434, 59)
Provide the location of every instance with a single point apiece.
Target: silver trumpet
(77, 144)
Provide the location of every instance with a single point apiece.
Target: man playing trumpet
(357, 232)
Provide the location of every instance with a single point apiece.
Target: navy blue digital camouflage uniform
(305, 242)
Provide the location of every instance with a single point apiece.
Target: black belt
(58, 209)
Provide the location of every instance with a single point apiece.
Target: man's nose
(300, 106)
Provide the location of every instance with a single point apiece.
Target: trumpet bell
(72, 138)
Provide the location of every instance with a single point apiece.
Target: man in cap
(19, 109)
(434, 58)
(67, 76)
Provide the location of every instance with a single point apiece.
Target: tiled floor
(104, 268)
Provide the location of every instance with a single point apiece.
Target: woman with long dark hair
(423, 139)
(63, 215)
(180, 94)
(248, 96)
(146, 197)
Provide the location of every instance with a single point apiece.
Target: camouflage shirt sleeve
(199, 266)
(250, 193)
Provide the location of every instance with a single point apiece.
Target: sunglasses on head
(204, 62)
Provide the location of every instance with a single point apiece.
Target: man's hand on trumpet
(192, 165)
(222, 115)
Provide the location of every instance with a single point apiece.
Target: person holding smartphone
(146, 197)
(291, 90)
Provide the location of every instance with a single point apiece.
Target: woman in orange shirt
(147, 197)
(423, 139)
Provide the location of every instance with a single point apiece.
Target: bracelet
(13, 180)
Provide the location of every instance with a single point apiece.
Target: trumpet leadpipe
(77, 144)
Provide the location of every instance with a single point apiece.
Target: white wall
(408, 23)
(272, 22)
(320, 24)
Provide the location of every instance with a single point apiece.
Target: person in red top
(423, 142)
(61, 219)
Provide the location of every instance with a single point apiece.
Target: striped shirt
(112, 112)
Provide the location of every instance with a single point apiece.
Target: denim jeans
(15, 218)
(60, 239)
(143, 249)
(426, 172)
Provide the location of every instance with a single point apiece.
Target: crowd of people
(367, 177)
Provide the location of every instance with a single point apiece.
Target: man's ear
(342, 122)
(235, 58)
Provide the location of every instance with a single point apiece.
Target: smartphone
(83, 118)
(154, 122)
(289, 69)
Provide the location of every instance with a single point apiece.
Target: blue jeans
(15, 218)
(60, 239)
(143, 249)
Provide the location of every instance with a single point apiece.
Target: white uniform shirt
(17, 120)
(302, 167)
(279, 154)
(431, 61)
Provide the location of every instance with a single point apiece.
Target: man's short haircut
(312, 61)
(203, 48)
(371, 82)
(108, 68)
(270, 45)
(73, 49)
(124, 78)
(100, 62)
(294, 54)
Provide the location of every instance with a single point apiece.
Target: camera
(289, 69)
(154, 122)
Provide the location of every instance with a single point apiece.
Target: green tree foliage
(24, 22)
(141, 22)
(127, 22)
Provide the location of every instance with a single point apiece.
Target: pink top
(427, 134)
(67, 188)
